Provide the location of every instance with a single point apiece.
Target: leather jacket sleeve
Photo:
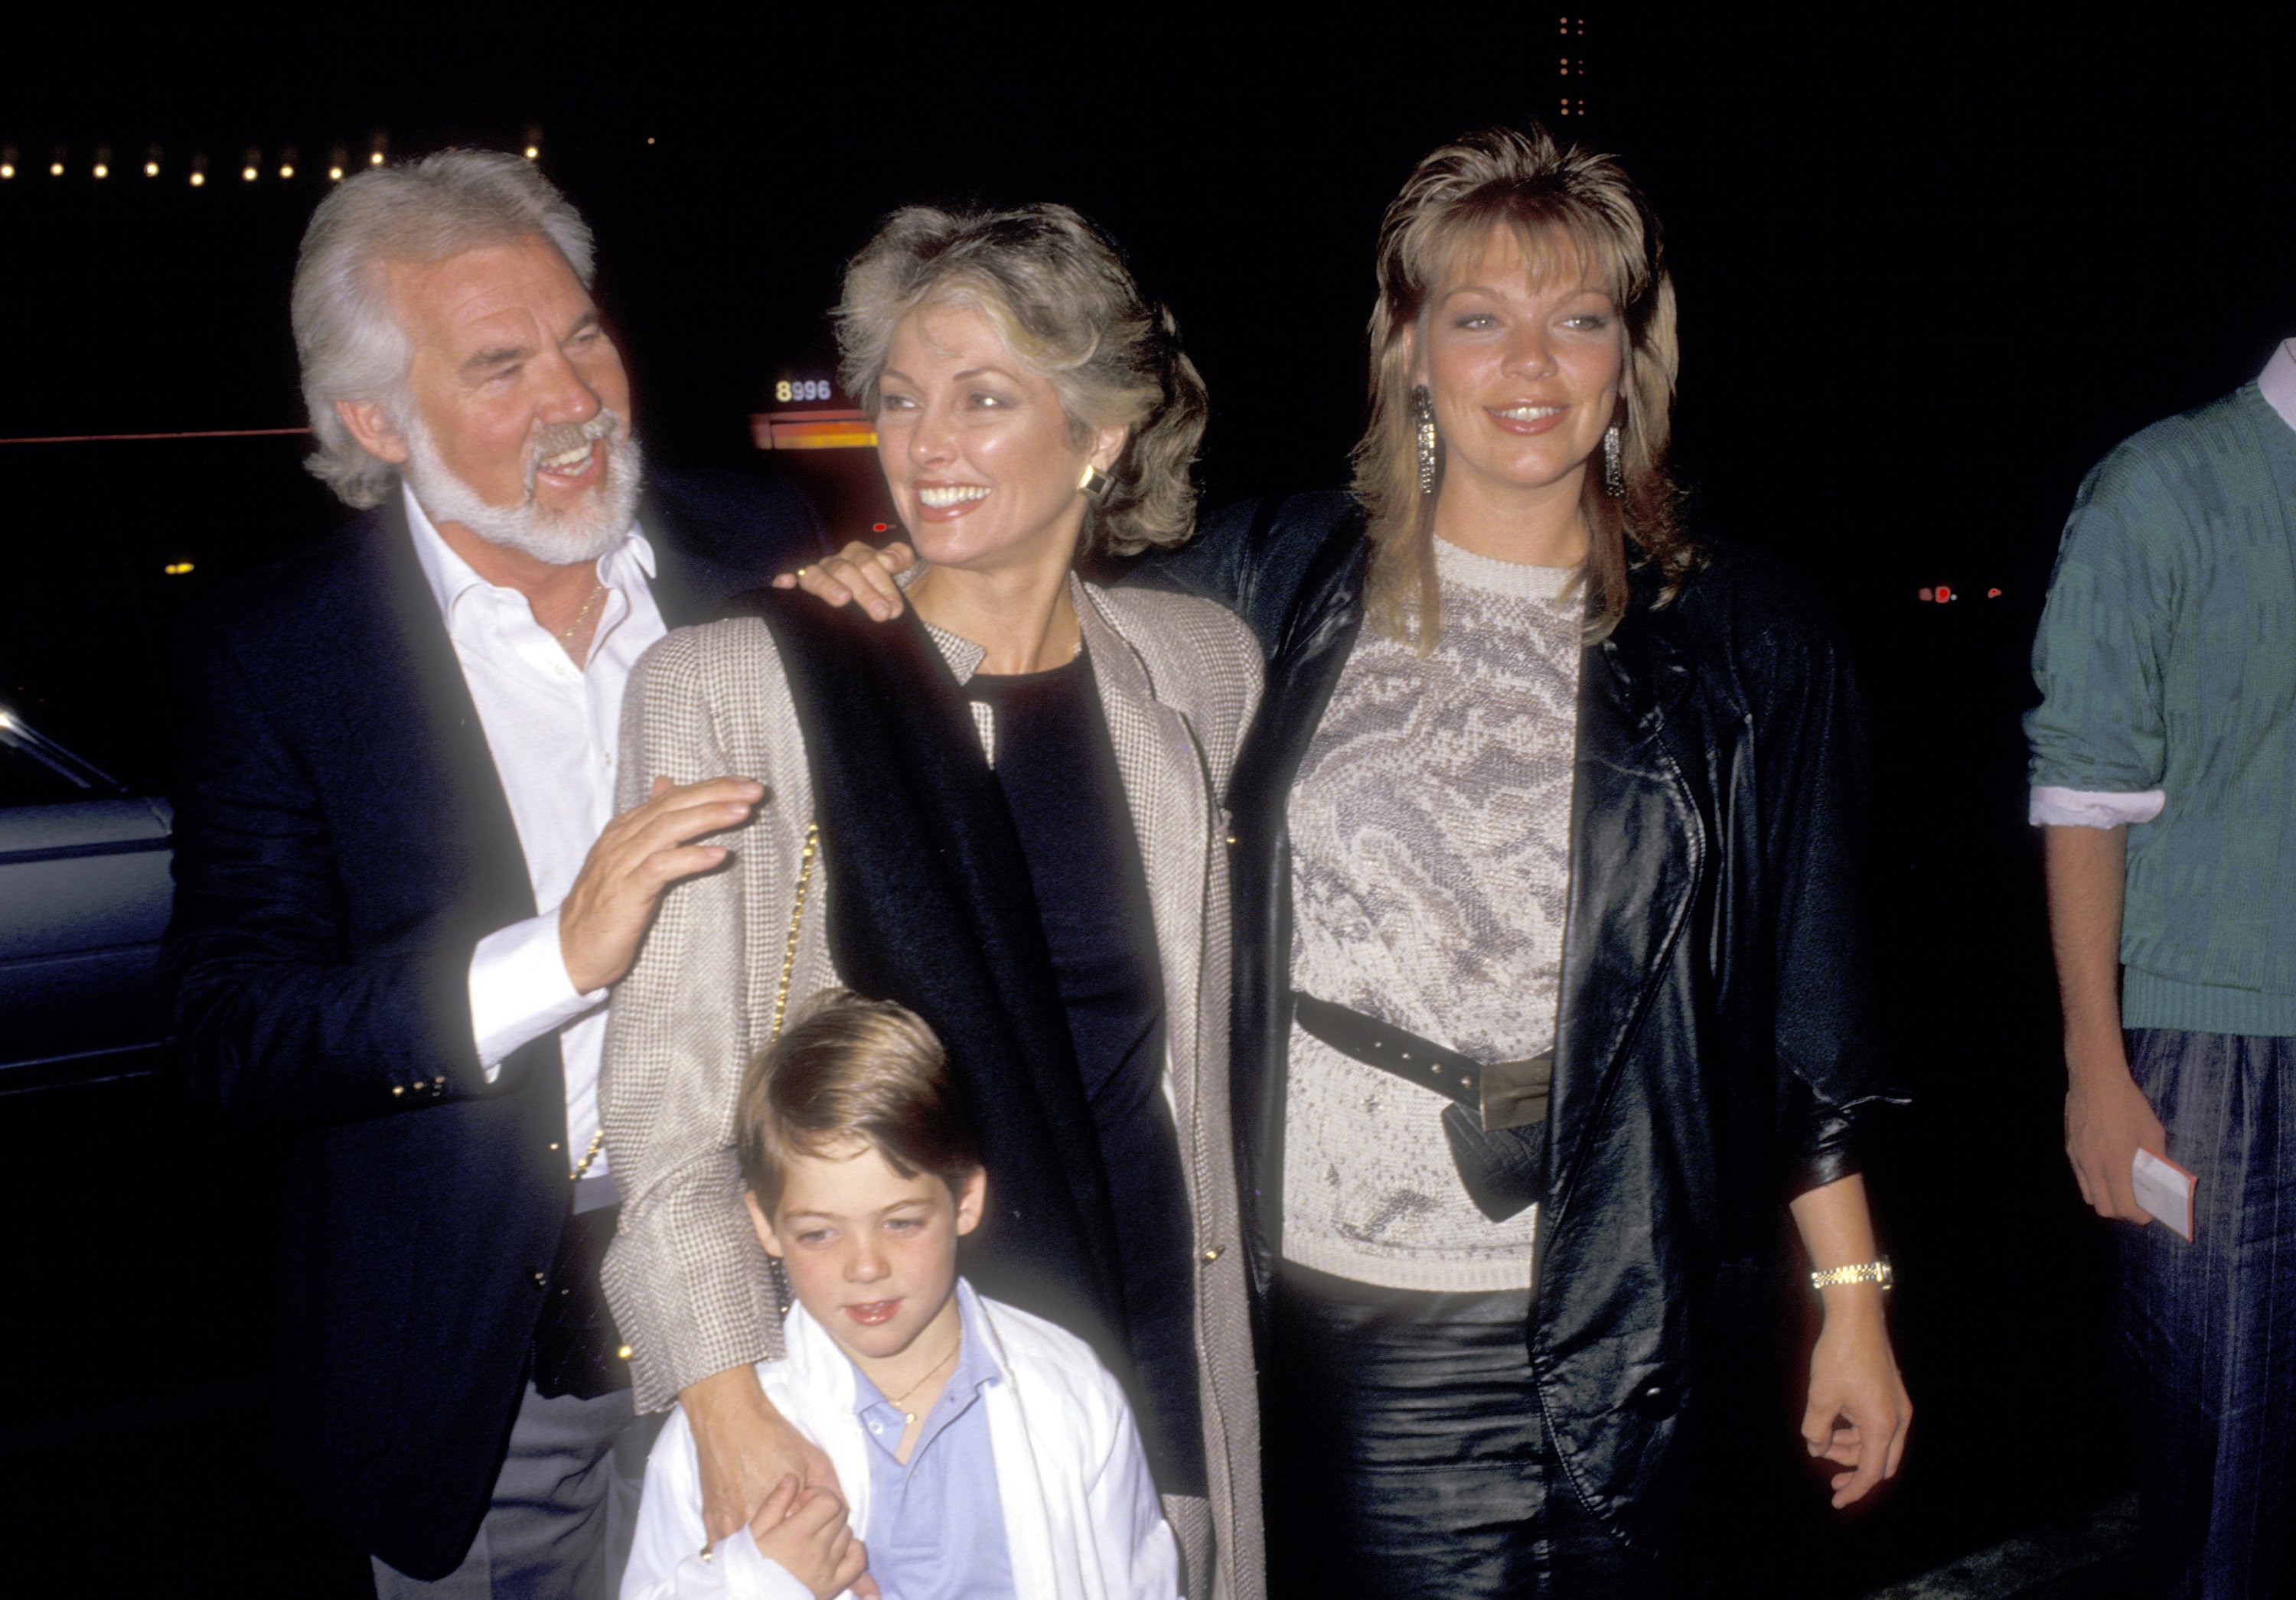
(1810, 767)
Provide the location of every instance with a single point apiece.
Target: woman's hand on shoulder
(858, 572)
(1858, 1409)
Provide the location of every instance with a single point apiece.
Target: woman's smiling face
(982, 459)
(1523, 366)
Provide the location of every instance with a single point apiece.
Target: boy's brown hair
(846, 1068)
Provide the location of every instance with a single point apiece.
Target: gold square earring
(1094, 484)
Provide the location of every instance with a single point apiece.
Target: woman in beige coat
(1004, 813)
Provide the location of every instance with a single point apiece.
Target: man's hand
(1858, 1409)
(746, 1448)
(860, 572)
(640, 854)
(804, 1530)
(2106, 1115)
(2107, 1120)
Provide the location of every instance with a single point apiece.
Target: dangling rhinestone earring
(1614, 477)
(1423, 412)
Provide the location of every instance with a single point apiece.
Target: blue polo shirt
(936, 1525)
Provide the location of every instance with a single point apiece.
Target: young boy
(981, 1451)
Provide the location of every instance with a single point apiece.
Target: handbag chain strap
(780, 993)
(797, 921)
(774, 1272)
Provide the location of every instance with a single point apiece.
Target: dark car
(84, 898)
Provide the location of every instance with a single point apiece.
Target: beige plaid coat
(1179, 680)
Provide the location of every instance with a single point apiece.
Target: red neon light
(106, 438)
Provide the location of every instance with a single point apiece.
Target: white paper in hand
(2164, 1189)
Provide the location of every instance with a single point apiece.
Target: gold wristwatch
(1876, 1271)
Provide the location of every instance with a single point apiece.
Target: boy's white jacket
(1082, 1519)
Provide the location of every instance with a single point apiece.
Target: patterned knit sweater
(1430, 829)
(2167, 663)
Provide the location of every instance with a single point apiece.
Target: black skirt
(1406, 1456)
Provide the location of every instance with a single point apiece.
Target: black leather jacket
(1715, 1053)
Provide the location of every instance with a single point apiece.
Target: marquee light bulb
(7, 170)
(150, 169)
(334, 175)
(198, 178)
(374, 158)
(101, 170)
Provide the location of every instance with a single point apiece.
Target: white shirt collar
(450, 577)
(2278, 382)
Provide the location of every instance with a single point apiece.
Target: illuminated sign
(813, 430)
(817, 427)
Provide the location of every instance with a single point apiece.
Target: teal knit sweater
(2166, 659)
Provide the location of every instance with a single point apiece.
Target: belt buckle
(1514, 1093)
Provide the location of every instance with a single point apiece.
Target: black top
(1057, 769)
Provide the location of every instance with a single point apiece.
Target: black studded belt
(1496, 1121)
(1501, 1094)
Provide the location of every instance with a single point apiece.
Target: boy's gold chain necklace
(909, 1415)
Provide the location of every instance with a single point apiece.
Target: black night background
(1931, 263)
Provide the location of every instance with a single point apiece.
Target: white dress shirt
(554, 730)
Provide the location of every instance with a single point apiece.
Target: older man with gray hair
(401, 894)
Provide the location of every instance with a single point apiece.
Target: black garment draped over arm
(1057, 769)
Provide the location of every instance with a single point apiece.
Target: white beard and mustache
(582, 533)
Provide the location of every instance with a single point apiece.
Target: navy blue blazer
(343, 842)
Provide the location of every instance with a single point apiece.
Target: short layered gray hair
(1057, 290)
(347, 335)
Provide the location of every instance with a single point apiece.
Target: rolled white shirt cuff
(520, 990)
(2051, 806)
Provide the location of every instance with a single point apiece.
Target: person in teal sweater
(2164, 776)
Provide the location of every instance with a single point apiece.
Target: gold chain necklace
(583, 615)
(908, 1416)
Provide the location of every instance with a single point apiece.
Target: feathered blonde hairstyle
(1570, 210)
(1059, 293)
